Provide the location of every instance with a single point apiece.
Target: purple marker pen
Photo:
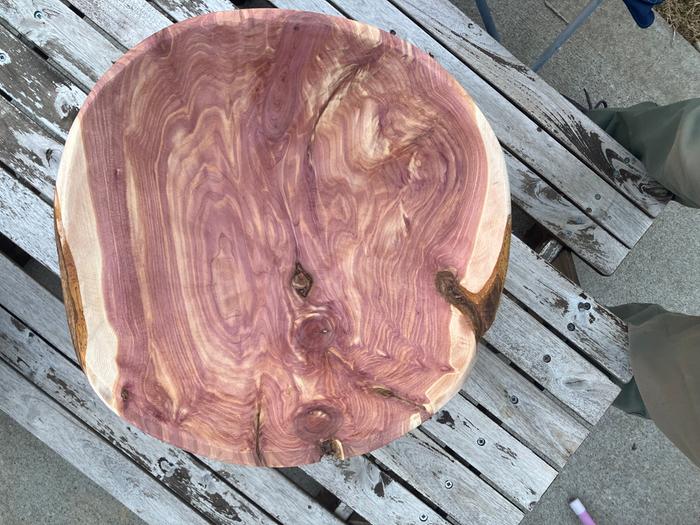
(581, 512)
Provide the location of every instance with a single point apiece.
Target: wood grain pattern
(287, 250)
(528, 141)
(36, 309)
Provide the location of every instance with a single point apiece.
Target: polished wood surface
(281, 235)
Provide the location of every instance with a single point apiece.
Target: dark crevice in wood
(38, 51)
(162, 11)
(310, 486)
(73, 8)
(332, 447)
(448, 286)
(4, 94)
(301, 280)
(385, 392)
(252, 4)
(24, 182)
(258, 451)
(13, 252)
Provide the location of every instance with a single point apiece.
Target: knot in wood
(316, 332)
(317, 422)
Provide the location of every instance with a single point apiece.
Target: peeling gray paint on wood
(363, 486)
(183, 9)
(36, 88)
(524, 410)
(28, 149)
(67, 39)
(127, 21)
(567, 375)
(446, 482)
(556, 299)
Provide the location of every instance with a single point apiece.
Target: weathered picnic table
(546, 371)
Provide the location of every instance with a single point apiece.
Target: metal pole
(566, 34)
(485, 14)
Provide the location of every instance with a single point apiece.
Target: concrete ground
(37, 486)
(626, 472)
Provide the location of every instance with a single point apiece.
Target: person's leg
(665, 138)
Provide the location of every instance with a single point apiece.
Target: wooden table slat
(524, 410)
(589, 326)
(550, 109)
(67, 39)
(95, 458)
(567, 375)
(447, 483)
(27, 221)
(371, 492)
(183, 9)
(28, 149)
(516, 131)
(35, 87)
(501, 459)
(544, 203)
(45, 315)
(127, 21)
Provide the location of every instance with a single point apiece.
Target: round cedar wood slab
(281, 234)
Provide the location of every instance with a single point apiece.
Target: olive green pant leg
(665, 138)
(664, 346)
(665, 355)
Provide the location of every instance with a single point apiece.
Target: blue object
(566, 34)
(486, 16)
(641, 11)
